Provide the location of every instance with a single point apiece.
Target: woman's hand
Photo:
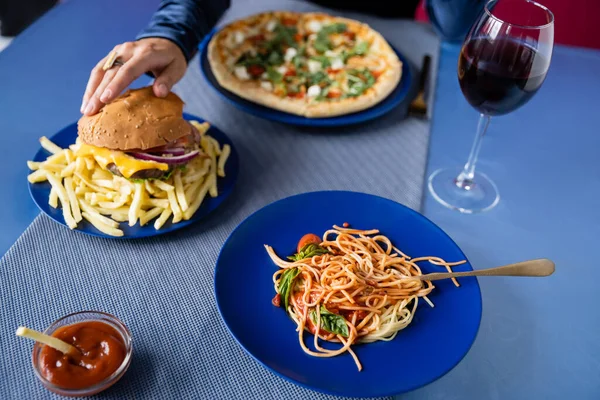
(160, 56)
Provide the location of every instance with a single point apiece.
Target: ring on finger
(112, 60)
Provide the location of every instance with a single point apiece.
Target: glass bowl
(84, 316)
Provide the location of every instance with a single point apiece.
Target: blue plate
(389, 103)
(436, 340)
(40, 191)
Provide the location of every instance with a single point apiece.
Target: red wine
(498, 76)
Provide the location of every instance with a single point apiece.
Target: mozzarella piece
(313, 91)
(266, 85)
(264, 75)
(312, 37)
(314, 26)
(337, 63)
(241, 72)
(314, 66)
(282, 69)
(239, 37)
(290, 53)
(337, 40)
(271, 25)
(331, 53)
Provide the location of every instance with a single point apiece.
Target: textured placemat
(162, 288)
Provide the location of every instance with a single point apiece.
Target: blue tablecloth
(538, 338)
(162, 287)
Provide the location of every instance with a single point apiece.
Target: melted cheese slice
(127, 165)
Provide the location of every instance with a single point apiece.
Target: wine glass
(503, 62)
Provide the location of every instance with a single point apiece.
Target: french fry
(201, 127)
(58, 159)
(72, 199)
(69, 170)
(101, 174)
(89, 163)
(136, 204)
(79, 165)
(161, 195)
(110, 211)
(105, 183)
(116, 203)
(216, 146)
(191, 191)
(163, 186)
(69, 156)
(160, 221)
(37, 176)
(87, 208)
(208, 149)
(162, 203)
(222, 160)
(197, 175)
(109, 230)
(149, 187)
(177, 215)
(64, 200)
(90, 184)
(199, 198)
(150, 215)
(120, 217)
(54, 168)
(33, 165)
(81, 190)
(95, 198)
(49, 146)
(183, 204)
(53, 198)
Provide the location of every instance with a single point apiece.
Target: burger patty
(153, 173)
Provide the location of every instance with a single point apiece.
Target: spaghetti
(351, 286)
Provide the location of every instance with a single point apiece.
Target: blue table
(538, 338)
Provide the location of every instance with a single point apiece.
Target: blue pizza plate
(41, 191)
(390, 102)
(436, 340)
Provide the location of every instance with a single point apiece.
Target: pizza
(309, 64)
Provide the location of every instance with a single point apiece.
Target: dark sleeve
(185, 22)
(380, 8)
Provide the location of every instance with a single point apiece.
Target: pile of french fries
(86, 191)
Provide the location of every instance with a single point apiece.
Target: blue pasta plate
(432, 344)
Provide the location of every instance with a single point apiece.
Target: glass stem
(465, 180)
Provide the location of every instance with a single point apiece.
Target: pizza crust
(252, 91)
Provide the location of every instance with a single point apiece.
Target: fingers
(96, 101)
(161, 56)
(167, 78)
(124, 76)
(94, 80)
(100, 79)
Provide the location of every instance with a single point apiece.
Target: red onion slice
(167, 160)
(175, 151)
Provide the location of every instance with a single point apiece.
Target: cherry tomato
(334, 94)
(255, 70)
(309, 238)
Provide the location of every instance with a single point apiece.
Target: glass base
(467, 196)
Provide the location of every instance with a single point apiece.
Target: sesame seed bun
(136, 120)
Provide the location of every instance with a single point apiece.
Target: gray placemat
(162, 287)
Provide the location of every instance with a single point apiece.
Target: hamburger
(140, 136)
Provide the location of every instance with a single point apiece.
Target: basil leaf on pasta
(308, 251)
(331, 322)
(286, 285)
